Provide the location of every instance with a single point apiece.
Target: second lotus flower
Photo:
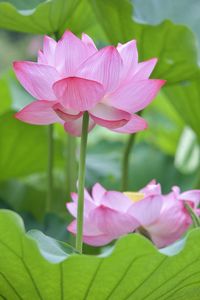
(72, 76)
(110, 214)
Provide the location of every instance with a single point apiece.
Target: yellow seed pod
(134, 196)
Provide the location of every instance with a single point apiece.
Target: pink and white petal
(47, 56)
(108, 116)
(97, 192)
(88, 41)
(98, 240)
(176, 190)
(66, 114)
(163, 241)
(91, 235)
(72, 208)
(78, 93)
(144, 69)
(134, 125)
(134, 95)
(42, 60)
(37, 79)
(191, 196)
(103, 66)
(129, 55)
(197, 211)
(49, 49)
(147, 210)
(75, 127)
(88, 206)
(74, 197)
(39, 113)
(116, 200)
(70, 53)
(89, 203)
(151, 189)
(169, 227)
(112, 222)
(89, 229)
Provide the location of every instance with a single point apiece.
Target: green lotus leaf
(132, 269)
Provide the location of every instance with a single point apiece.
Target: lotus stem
(194, 217)
(125, 162)
(50, 168)
(81, 182)
(71, 171)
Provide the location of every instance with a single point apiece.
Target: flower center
(134, 196)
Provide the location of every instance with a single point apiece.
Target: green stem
(125, 162)
(81, 182)
(71, 171)
(50, 169)
(195, 218)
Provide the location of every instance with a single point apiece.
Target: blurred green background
(168, 151)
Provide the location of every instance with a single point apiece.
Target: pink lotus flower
(71, 76)
(105, 216)
(109, 214)
(165, 219)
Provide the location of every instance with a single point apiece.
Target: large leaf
(23, 148)
(5, 95)
(180, 11)
(185, 97)
(174, 45)
(33, 16)
(134, 269)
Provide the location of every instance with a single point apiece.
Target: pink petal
(89, 43)
(37, 79)
(78, 93)
(129, 55)
(38, 112)
(70, 53)
(72, 208)
(134, 95)
(147, 210)
(112, 222)
(66, 114)
(144, 69)
(74, 197)
(116, 200)
(47, 56)
(108, 116)
(169, 227)
(89, 204)
(89, 229)
(134, 125)
(97, 239)
(193, 196)
(176, 190)
(151, 189)
(104, 66)
(97, 192)
(75, 127)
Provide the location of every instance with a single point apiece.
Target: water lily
(72, 76)
(105, 216)
(110, 214)
(164, 218)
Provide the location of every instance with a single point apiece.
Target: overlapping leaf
(173, 45)
(133, 270)
(185, 97)
(45, 17)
